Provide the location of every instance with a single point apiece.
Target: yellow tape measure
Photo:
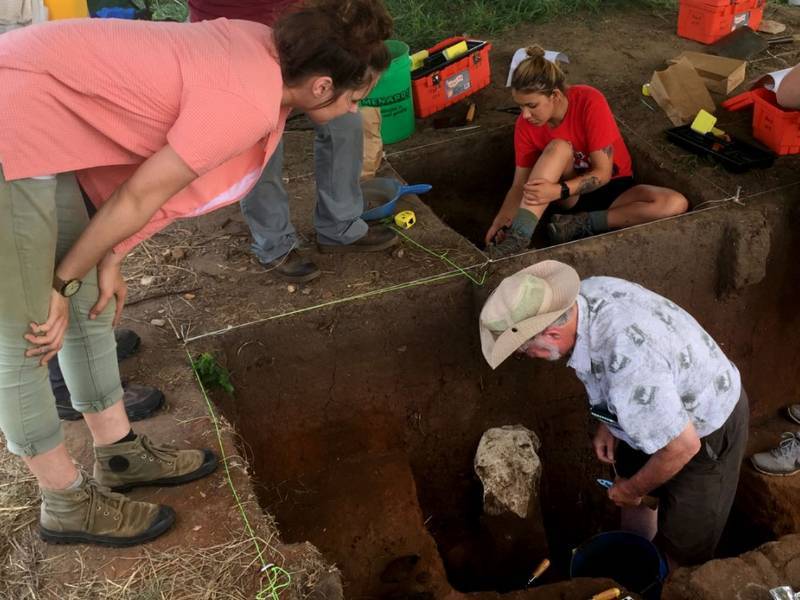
(405, 219)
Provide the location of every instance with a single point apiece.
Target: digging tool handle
(609, 594)
(543, 566)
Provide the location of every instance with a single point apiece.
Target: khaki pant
(40, 219)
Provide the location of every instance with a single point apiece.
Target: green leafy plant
(164, 10)
(211, 373)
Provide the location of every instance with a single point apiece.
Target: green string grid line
(443, 257)
(278, 579)
(460, 272)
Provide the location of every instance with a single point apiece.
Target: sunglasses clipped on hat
(523, 305)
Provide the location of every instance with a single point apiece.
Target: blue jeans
(338, 158)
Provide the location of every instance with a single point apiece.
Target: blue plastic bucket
(629, 559)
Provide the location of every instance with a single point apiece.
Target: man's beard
(553, 352)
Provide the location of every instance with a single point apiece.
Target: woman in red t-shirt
(569, 151)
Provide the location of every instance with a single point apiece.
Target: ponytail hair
(536, 74)
(343, 39)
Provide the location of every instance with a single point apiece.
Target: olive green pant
(40, 219)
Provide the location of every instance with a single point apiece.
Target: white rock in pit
(509, 469)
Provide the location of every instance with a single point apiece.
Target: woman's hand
(497, 232)
(48, 337)
(604, 444)
(110, 284)
(539, 192)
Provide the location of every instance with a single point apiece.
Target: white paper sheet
(522, 54)
(772, 81)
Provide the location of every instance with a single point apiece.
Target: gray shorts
(695, 504)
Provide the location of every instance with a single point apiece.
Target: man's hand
(623, 494)
(540, 192)
(47, 338)
(604, 444)
(110, 284)
(496, 232)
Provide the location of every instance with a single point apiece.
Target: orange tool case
(707, 21)
(440, 82)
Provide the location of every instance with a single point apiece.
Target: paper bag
(721, 74)
(373, 144)
(680, 92)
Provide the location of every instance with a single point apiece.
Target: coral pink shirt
(101, 96)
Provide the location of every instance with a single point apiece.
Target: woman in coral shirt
(157, 121)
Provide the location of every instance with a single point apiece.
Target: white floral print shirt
(650, 364)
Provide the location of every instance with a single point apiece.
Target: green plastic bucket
(392, 94)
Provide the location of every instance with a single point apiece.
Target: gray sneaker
(515, 243)
(793, 412)
(783, 460)
(566, 228)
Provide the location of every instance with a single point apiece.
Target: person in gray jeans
(338, 158)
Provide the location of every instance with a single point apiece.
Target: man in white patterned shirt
(672, 409)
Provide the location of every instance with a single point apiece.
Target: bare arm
(539, 192)
(665, 464)
(789, 91)
(128, 209)
(602, 162)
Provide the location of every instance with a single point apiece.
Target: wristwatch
(66, 288)
(564, 191)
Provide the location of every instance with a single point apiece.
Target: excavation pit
(472, 174)
(362, 420)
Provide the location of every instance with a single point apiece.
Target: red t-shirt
(262, 11)
(589, 125)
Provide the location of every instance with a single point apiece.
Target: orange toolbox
(773, 126)
(442, 81)
(709, 20)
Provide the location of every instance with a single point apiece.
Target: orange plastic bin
(773, 126)
(707, 21)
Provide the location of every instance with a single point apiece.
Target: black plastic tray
(737, 156)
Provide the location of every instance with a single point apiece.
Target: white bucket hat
(524, 304)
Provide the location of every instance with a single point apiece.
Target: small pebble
(178, 253)
(306, 291)
(399, 253)
(189, 296)
(147, 280)
(158, 322)
(291, 288)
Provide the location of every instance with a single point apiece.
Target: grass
(422, 23)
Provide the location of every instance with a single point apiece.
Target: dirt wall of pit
(362, 420)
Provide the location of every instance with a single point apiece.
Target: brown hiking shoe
(127, 465)
(293, 267)
(377, 238)
(93, 514)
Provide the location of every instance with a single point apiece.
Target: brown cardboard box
(720, 74)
